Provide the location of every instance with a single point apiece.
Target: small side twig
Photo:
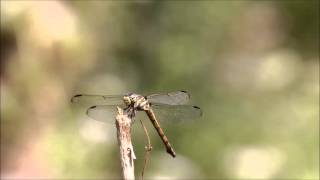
(148, 149)
(123, 123)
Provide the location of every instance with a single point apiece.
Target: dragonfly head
(137, 101)
(127, 100)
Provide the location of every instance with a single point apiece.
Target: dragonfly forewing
(172, 98)
(91, 100)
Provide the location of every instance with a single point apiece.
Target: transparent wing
(107, 113)
(176, 114)
(104, 113)
(90, 100)
(173, 98)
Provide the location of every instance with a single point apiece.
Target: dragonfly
(166, 107)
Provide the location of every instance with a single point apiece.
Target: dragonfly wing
(173, 98)
(104, 113)
(176, 114)
(90, 100)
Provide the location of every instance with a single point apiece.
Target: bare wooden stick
(123, 123)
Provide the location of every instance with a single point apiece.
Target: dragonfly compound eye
(127, 100)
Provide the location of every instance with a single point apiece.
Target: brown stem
(148, 150)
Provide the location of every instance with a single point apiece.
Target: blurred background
(253, 68)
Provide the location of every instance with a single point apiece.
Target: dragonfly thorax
(138, 102)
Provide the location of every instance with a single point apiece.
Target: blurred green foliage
(252, 66)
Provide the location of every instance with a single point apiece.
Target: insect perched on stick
(170, 107)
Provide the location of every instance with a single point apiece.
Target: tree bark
(127, 156)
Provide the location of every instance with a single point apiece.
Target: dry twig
(127, 156)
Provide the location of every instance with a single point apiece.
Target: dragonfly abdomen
(163, 137)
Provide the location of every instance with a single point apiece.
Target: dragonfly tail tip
(171, 152)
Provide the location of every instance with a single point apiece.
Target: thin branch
(123, 123)
(148, 149)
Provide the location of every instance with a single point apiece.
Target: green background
(252, 66)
